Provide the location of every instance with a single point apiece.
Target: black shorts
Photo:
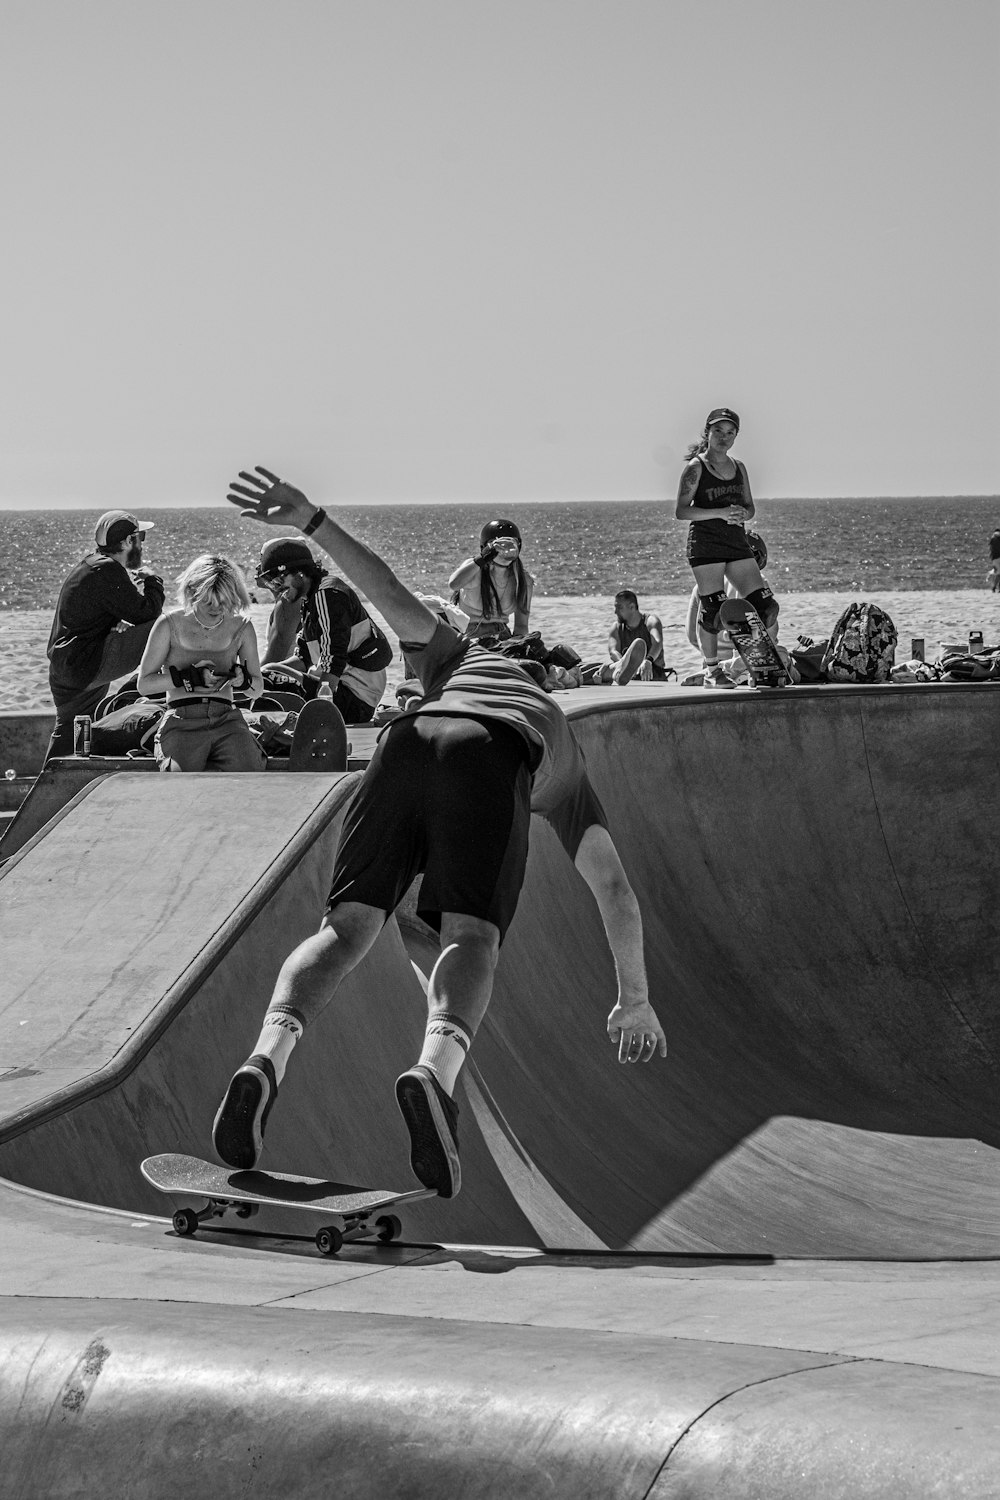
(716, 541)
(447, 797)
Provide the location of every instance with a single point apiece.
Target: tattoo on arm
(688, 484)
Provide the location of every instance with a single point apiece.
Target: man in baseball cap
(104, 614)
(115, 525)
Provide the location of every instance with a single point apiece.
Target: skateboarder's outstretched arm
(262, 496)
(633, 1023)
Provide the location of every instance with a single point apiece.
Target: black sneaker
(238, 1132)
(432, 1120)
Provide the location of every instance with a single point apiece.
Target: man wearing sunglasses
(320, 632)
(105, 611)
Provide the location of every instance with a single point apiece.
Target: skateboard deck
(320, 739)
(345, 1207)
(753, 645)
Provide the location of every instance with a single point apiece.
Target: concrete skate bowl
(819, 880)
(818, 883)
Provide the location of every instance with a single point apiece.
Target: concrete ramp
(820, 882)
(142, 932)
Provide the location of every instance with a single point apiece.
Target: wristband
(315, 523)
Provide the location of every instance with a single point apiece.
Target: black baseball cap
(723, 414)
(284, 552)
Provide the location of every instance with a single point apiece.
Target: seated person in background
(321, 633)
(630, 625)
(195, 654)
(494, 584)
(102, 622)
(993, 576)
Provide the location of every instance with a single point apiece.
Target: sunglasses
(271, 577)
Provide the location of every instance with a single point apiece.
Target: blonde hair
(216, 581)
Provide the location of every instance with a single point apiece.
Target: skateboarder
(448, 794)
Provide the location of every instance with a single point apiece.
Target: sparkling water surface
(583, 549)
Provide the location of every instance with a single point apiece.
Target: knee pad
(708, 611)
(765, 604)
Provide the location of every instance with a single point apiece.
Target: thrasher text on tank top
(714, 493)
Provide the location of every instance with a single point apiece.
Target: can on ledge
(975, 641)
(81, 734)
(917, 648)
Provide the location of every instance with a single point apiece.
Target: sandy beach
(584, 623)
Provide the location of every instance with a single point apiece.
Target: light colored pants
(207, 737)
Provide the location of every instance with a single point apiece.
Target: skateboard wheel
(185, 1221)
(388, 1228)
(329, 1241)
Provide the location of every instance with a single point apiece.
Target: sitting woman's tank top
(221, 656)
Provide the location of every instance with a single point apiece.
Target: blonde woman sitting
(196, 654)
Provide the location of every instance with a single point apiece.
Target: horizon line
(85, 507)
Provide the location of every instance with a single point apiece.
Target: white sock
(446, 1046)
(281, 1030)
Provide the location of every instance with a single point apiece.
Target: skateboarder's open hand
(265, 497)
(633, 1025)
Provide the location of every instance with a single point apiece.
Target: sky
(439, 250)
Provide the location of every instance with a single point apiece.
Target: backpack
(862, 646)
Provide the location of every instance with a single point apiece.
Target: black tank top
(714, 493)
(626, 635)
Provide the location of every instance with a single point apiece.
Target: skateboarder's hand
(264, 497)
(639, 1035)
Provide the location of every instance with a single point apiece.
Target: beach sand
(584, 624)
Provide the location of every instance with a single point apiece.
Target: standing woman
(714, 496)
(495, 584)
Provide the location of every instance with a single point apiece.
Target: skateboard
(346, 1208)
(753, 645)
(320, 739)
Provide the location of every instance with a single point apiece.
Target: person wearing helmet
(494, 585)
(714, 497)
(448, 794)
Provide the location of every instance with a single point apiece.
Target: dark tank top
(715, 494)
(626, 635)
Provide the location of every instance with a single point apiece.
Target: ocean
(924, 560)
(584, 550)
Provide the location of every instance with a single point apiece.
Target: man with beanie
(101, 623)
(321, 632)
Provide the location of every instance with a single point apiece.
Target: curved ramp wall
(142, 933)
(819, 885)
(820, 882)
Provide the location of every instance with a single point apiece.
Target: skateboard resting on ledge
(346, 1208)
(753, 645)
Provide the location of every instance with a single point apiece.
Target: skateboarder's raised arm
(262, 496)
(633, 1023)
